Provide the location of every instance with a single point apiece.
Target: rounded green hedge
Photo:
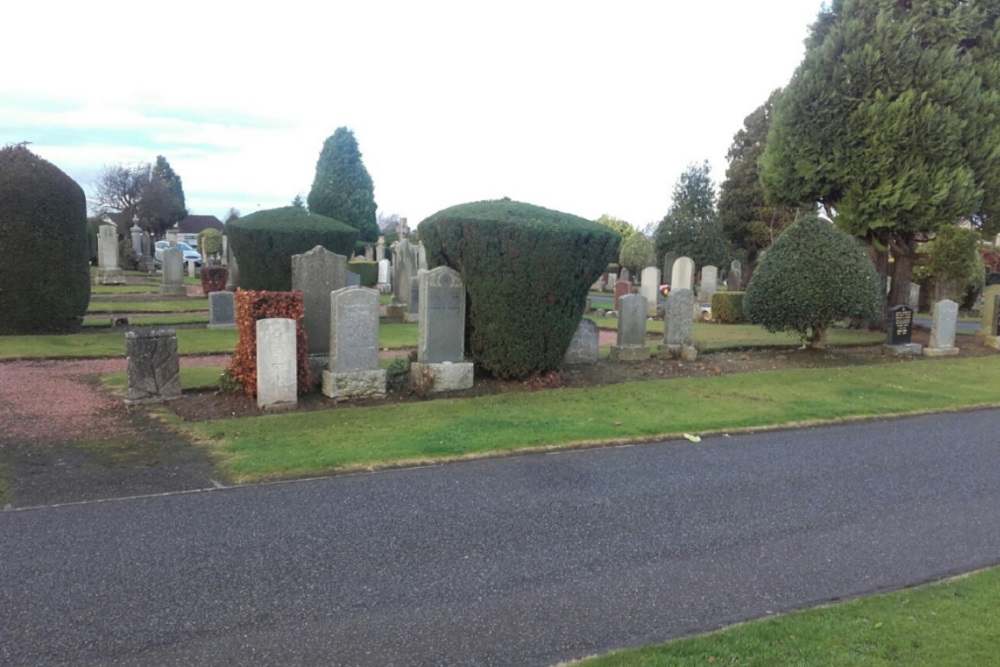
(527, 271)
(45, 273)
(265, 241)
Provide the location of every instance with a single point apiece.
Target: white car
(190, 254)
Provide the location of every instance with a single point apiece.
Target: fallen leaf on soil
(692, 438)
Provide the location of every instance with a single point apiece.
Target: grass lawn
(172, 306)
(948, 624)
(104, 290)
(357, 438)
(149, 320)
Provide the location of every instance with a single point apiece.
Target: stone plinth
(439, 377)
(354, 384)
(629, 353)
(903, 350)
(153, 366)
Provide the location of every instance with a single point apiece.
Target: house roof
(193, 224)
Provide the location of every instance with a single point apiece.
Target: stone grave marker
(317, 273)
(677, 325)
(384, 276)
(233, 276)
(109, 271)
(622, 288)
(734, 282)
(441, 364)
(353, 366)
(625, 274)
(989, 323)
(899, 331)
(405, 264)
(136, 233)
(650, 289)
(277, 364)
(353, 279)
(583, 348)
(413, 307)
(683, 274)
(173, 272)
(631, 337)
(709, 283)
(221, 310)
(153, 366)
(380, 249)
(944, 318)
(914, 300)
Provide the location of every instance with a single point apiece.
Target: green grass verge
(394, 336)
(146, 321)
(175, 306)
(105, 290)
(314, 442)
(948, 624)
(112, 344)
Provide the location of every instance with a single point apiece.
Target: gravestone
(650, 289)
(944, 316)
(192, 272)
(146, 263)
(380, 249)
(277, 365)
(353, 368)
(233, 277)
(173, 272)
(413, 307)
(611, 281)
(221, 310)
(668, 266)
(631, 337)
(914, 300)
(683, 274)
(709, 283)
(734, 282)
(899, 331)
(622, 288)
(353, 279)
(153, 366)
(109, 271)
(989, 313)
(225, 250)
(317, 273)
(405, 264)
(625, 275)
(677, 325)
(136, 233)
(384, 276)
(583, 349)
(441, 364)
(369, 253)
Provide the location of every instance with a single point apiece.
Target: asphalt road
(516, 561)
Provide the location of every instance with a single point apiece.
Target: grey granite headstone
(990, 312)
(147, 245)
(173, 272)
(683, 274)
(734, 282)
(153, 366)
(709, 282)
(384, 276)
(677, 318)
(406, 262)
(914, 300)
(631, 337)
(413, 306)
(136, 233)
(221, 310)
(277, 364)
(583, 348)
(650, 289)
(354, 368)
(944, 318)
(109, 271)
(668, 266)
(442, 316)
(317, 273)
(736, 265)
(233, 276)
(225, 250)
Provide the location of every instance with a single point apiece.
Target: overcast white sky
(578, 106)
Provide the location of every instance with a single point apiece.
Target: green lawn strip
(397, 335)
(113, 290)
(947, 624)
(151, 320)
(112, 344)
(175, 306)
(356, 438)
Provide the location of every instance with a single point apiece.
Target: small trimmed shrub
(266, 240)
(727, 307)
(367, 270)
(527, 271)
(45, 272)
(814, 275)
(397, 375)
(210, 242)
(213, 279)
(252, 306)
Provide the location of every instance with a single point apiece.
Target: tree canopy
(342, 188)
(636, 253)
(151, 193)
(691, 226)
(624, 229)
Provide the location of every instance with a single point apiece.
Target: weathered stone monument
(380, 249)
(677, 324)
(709, 283)
(136, 233)
(625, 274)
(622, 288)
(650, 289)
(914, 300)
(944, 318)
(233, 277)
(441, 364)
(631, 339)
(413, 307)
(584, 347)
(146, 263)
(153, 366)
(989, 327)
(384, 284)
(221, 310)
(353, 368)
(610, 283)
(405, 263)
(317, 273)
(277, 365)
(173, 272)
(109, 270)
(683, 274)
(899, 331)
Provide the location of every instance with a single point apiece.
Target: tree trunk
(817, 338)
(904, 254)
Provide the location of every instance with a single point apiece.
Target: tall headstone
(225, 250)
(136, 233)
(441, 364)
(584, 347)
(611, 281)
(989, 313)
(650, 289)
(233, 277)
(146, 264)
(734, 281)
(380, 249)
(221, 310)
(153, 366)
(709, 283)
(677, 324)
(277, 365)
(192, 269)
(405, 263)
(622, 288)
(631, 338)
(413, 307)
(914, 300)
(317, 273)
(173, 272)
(353, 368)
(109, 271)
(369, 253)
(683, 274)
(944, 318)
(899, 332)
(668, 266)
(384, 276)
(625, 274)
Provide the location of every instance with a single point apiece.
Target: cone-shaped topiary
(45, 273)
(527, 271)
(814, 275)
(265, 241)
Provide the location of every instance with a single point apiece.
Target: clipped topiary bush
(527, 271)
(266, 240)
(45, 272)
(210, 242)
(367, 270)
(727, 307)
(814, 275)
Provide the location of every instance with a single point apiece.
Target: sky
(585, 107)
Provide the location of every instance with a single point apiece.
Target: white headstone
(944, 318)
(650, 289)
(709, 282)
(683, 274)
(173, 271)
(277, 367)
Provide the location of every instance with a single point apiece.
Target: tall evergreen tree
(889, 124)
(691, 226)
(342, 189)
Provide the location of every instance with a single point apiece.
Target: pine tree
(691, 227)
(342, 189)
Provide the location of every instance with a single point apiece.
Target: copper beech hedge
(252, 306)
(213, 279)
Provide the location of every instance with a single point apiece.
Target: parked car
(190, 254)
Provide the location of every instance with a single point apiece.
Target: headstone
(405, 264)
(622, 288)
(413, 307)
(136, 240)
(611, 281)
(225, 250)
(191, 268)
(683, 274)
(146, 263)
(709, 283)
(380, 249)
(147, 245)
(109, 271)
(402, 229)
(650, 289)
(369, 253)
(317, 273)
(441, 364)
(944, 316)
(221, 310)
(353, 279)
(153, 366)
(173, 272)
(625, 274)
(233, 276)
(631, 337)
(677, 324)
(421, 257)
(990, 312)
(583, 349)
(736, 265)
(277, 365)
(914, 300)
(734, 282)
(899, 331)
(353, 367)
(384, 276)
(668, 266)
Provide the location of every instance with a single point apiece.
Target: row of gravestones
(681, 272)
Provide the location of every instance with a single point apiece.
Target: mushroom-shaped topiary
(814, 275)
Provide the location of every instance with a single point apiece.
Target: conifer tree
(342, 188)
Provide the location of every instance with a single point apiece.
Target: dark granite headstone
(899, 325)
(992, 279)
